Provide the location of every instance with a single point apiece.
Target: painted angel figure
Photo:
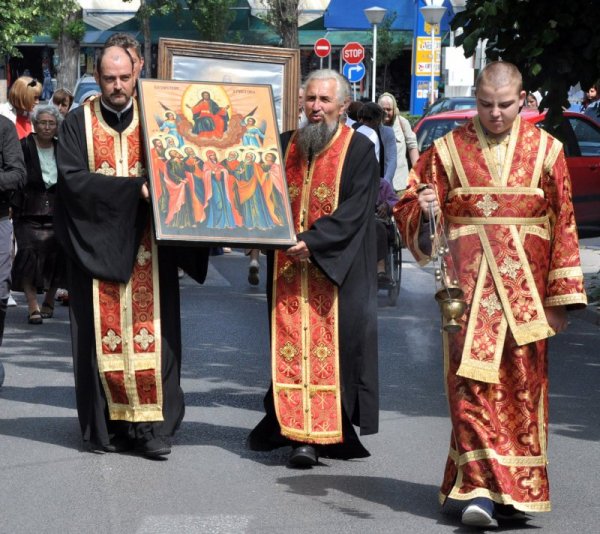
(253, 135)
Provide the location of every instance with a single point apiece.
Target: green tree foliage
(211, 18)
(23, 20)
(17, 24)
(554, 44)
(387, 48)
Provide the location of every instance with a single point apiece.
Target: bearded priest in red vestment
(323, 290)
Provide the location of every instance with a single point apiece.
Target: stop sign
(353, 53)
(322, 47)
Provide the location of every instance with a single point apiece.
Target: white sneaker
(476, 516)
(11, 301)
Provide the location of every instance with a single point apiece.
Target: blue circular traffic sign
(355, 72)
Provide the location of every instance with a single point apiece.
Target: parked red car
(581, 138)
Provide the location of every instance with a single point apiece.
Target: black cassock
(343, 245)
(99, 221)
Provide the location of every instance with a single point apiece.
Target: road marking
(191, 524)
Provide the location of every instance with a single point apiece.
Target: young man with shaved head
(124, 296)
(500, 190)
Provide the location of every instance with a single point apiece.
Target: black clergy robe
(99, 221)
(343, 246)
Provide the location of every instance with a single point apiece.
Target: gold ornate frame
(180, 59)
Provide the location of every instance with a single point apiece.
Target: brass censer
(449, 296)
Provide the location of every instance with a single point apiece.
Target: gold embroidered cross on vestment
(487, 205)
(491, 304)
(510, 267)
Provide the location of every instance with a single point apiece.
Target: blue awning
(348, 14)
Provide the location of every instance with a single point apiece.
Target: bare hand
(145, 192)
(299, 251)
(428, 200)
(557, 318)
(382, 210)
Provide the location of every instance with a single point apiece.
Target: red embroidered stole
(304, 314)
(490, 212)
(126, 316)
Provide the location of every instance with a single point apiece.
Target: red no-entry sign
(322, 47)
(353, 53)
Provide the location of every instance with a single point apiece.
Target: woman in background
(38, 263)
(63, 100)
(23, 96)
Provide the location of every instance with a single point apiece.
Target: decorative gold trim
(479, 221)
(502, 190)
(441, 144)
(456, 162)
(89, 136)
(487, 153)
(565, 272)
(540, 231)
(553, 153)
(566, 300)
(508, 461)
(539, 159)
(461, 231)
(510, 151)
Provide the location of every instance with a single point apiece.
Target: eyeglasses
(32, 83)
(49, 124)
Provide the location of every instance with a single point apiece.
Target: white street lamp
(458, 5)
(432, 13)
(375, 16)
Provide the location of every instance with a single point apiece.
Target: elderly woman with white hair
(406, 140)
(38, 263)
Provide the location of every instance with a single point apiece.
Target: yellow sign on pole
(423, 56)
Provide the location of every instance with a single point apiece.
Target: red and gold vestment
(126, 316)
(305, 338)
(508, 217)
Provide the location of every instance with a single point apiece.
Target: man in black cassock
(323, 291)
(124, 293)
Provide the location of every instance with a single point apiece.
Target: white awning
(105, 14)
(308, 10)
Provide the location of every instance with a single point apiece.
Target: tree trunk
(68, 54)
(289, 35)
(287, 20)
(145, 23)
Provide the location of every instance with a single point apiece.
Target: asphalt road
(212, 484)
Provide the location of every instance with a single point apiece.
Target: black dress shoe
(152, 447)
(304, 456)
(116, 444)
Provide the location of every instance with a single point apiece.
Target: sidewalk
(590, 264)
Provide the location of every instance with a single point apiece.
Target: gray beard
(313, 138)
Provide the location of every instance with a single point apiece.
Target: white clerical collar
(117, 113)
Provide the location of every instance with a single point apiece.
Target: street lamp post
(432, 13)
(375, 16)
(457, 7)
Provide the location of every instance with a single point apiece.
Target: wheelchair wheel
(395, 264)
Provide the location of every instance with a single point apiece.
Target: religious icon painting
(215, 164)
